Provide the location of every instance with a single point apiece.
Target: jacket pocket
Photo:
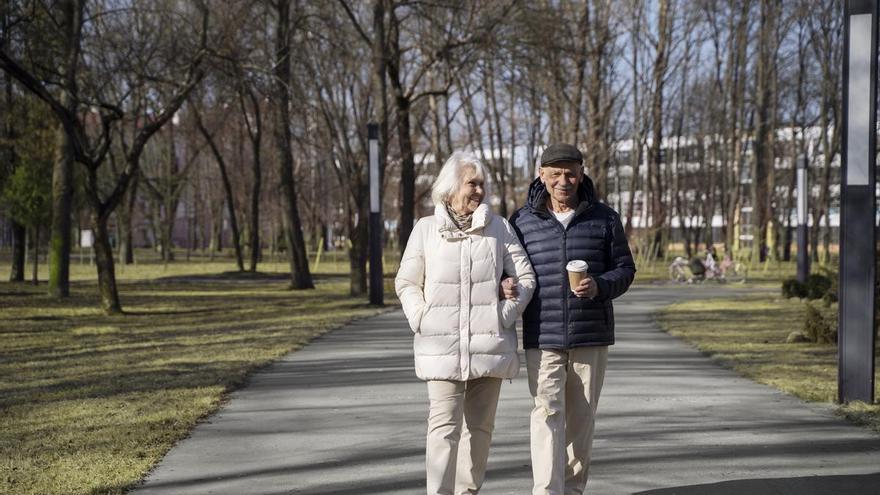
(415, 321)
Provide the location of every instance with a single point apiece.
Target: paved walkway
(346, 415)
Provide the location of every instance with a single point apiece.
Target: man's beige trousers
(452, 470)
(565, 386)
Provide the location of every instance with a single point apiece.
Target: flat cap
(561, 152)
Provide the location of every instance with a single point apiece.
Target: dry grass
(89, 403)
(748, 334)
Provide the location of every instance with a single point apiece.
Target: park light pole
(377, 284)
(803, 260)
(858, 208)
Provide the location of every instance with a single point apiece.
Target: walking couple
(465, 277)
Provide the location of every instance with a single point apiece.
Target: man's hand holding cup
(582, 285)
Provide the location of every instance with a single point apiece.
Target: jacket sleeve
(517, 262)
(614, 282)
(410, 281)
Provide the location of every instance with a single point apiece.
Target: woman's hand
(587, 288)
(507, 289)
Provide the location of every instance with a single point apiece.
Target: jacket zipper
(568, 288)
(564, 269)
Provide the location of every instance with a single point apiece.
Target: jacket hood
(538, 195)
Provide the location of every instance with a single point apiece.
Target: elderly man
(567, 330)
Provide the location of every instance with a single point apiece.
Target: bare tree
(826, 24)
(253, 118)
(599, 42)
(341, 88)
(9, 156)
(119, 85)
(453, 45)
(71, 135)
(656, 186)
(300, 276)
(227, 187)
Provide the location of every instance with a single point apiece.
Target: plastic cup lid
(576, 266)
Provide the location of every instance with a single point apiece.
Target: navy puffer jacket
(556, 318)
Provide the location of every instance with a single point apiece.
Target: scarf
(463, 222)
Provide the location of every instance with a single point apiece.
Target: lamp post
(803, 259)
(377, 289)
(858, 209)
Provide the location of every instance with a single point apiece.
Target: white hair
(449, 179)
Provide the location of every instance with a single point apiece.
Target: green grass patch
(148, 264)
(748, 334)
(89, 403)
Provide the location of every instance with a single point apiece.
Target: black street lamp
(377, 284)
(858, 207)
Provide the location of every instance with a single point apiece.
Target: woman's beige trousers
(460, 424)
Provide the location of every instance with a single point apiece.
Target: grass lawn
(748, 334)
(88, 403)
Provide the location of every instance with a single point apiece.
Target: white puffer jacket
(448, 285)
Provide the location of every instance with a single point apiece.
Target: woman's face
(470, 192)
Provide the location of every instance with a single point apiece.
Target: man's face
(562, 180)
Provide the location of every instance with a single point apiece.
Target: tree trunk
(170, 218)
(255, 212)
(36, 263)
(404, 137)
(655, 178)
(636, 136)
(300, 276)
(227, 190)
(255, 133)
(357, 255)
(407, 173)
(167, 197)
(19, 232)
(62, 173)
(62, 199)
(212, 234)
(598, 114)
(233, 219)
(493, 119)
(104, 262)
(763, 153)
(732, 144)
(126, 248)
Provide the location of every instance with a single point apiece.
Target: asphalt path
(346, 415)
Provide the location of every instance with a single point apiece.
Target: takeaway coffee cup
(577, 271)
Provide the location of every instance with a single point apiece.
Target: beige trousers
(565, 386)
(452, 470)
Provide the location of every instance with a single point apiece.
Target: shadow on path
(813, 485)
(346, 415)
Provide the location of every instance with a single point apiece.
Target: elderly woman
(465, 337)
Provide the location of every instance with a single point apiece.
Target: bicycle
(695, 271)
(678, 270)
(734, 271)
